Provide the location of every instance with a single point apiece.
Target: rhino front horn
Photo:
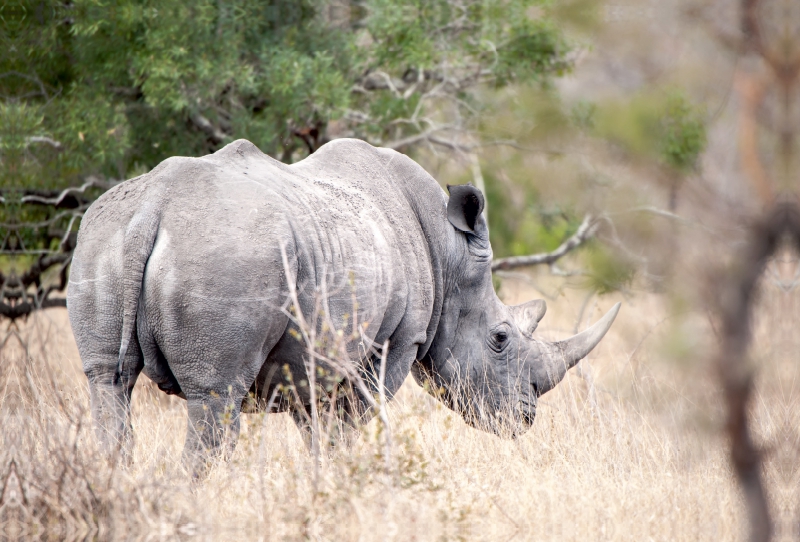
(567, 353)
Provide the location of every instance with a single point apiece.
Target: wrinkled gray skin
(179, 273)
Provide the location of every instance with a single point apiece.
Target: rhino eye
(498, 339)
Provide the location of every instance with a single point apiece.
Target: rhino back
(372, 235)
(215, 282)
(354, 228)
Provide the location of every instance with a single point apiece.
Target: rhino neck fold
(427, 201)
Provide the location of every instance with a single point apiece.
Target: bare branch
(46, 140)
(58, 200)
(34, 272)
(426, 136)
(46, 272)
(585, 232)
(659, 212)
(379, 80)
(46, 223)
(515, 145)
(216, 135)
(451, 144)
(19, 310)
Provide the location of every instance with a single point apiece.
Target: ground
(629, 447)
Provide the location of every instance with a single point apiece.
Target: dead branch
(586, 231)
(19, 310)
(427, 135)
(44, 267)
(412, 78)
(216, 135)
(66, 197)
(46, 140)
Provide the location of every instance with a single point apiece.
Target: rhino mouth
(493, 415)
(502, 420)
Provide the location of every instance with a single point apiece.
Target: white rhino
(184, 273)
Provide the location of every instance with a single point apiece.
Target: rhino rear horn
(464, 206)
(528, 315)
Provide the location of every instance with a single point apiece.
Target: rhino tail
(140, 237)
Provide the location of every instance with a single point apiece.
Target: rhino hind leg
(300, 416)
(215, 374)
(213, 428)
(110, 400)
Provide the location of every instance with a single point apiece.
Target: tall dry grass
(628, 447)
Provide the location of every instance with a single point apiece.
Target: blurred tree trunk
(768, 71)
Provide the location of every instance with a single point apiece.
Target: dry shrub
(630, 448)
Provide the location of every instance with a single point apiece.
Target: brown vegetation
(633, 449)
(632, 445)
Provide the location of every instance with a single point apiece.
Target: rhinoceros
(186, 274)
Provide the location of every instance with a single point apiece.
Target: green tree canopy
(97, 91)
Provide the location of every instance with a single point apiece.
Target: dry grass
(638, 454)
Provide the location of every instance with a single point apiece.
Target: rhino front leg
(337, 430)
(302, 419)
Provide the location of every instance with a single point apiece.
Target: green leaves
(521, 223)
(668, 128)
(503, 40)
(684, 133)
(107, 89)
(535, 49)
(607, 271)
(121, 83)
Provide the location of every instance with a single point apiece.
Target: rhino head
(484, 361)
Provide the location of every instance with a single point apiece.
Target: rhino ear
(528, 315)
(464, 206)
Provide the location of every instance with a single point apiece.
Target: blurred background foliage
(103, 90)
(122, 85)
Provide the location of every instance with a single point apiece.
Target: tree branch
(46, 140)
(585, 232)
(62, 199)
(19, 310)
(217, 136)
(33, 273)
(427, 135)
(379, 80)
